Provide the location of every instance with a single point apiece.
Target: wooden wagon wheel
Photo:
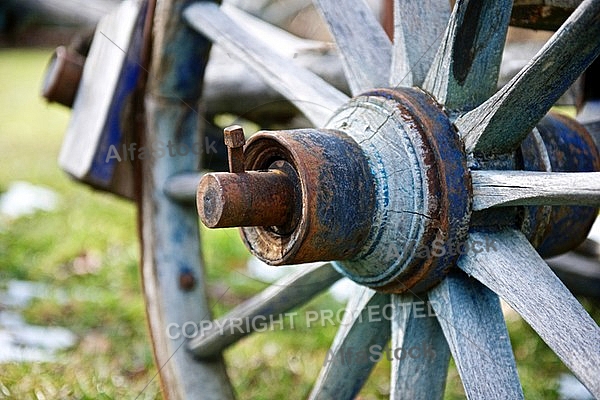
(440, 157)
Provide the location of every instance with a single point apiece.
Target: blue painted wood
(465, 70)
(172, 270)
(92, 150)
(502, 122)
(421, 217)
(472, 321)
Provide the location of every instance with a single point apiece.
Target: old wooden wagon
(424, 183)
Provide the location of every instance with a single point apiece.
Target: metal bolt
(235, 141)
(187, 281)
(63, 76)
(252, 198)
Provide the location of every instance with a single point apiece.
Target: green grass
(104, 305)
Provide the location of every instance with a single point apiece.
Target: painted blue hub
(422, 189)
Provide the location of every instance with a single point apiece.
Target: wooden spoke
(256, 313)
(418, 30)
(419, 370)
(366, 50)
(515, 271)
(526, 188)
(474, 326)
(173, 279)
(311, 94)
(352, 356)
(183, 187)
(465, 69)
(502, 122)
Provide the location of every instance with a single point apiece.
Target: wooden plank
(472, 320)
(502, 122)
(101, 118)
(256, 313)
(171, 267)
(365, 48)
(311, 94)
(515, 271)
(465, 70)
(527, 188)
(421, 369)
(350, 359)
(273, 11)
(231, 87)
(418, 30)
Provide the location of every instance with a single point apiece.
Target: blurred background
(72, 319)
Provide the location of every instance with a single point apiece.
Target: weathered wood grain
(472, 321)
(169, 232)
(418, 31)
(465, 70)
(515, 271)
(526, 188)
(502, 122)
(257, 312)
(365, 48)
(421, 370)
(349, 361)
(311, 94)
(231, 87)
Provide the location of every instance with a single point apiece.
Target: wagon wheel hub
(384, 190)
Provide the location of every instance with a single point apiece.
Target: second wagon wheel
(400, 184)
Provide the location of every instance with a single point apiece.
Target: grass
(104, 305)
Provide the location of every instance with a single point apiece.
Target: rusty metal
(569, 148)
(252, 198)
(63, 75)
(187, 281)
(540, 14)
(335, 196)
(387, 18)
(307, 195)
(235, 141)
